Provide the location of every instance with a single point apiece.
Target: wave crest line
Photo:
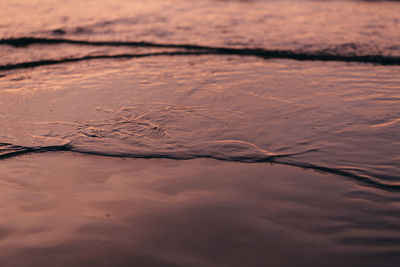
(257, 52)
(272, 159)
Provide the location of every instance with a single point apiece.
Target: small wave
(9, 150)
(362, 179)
(188, 49)
(48, 62)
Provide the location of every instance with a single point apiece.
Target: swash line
(257, 52)
(274, 159)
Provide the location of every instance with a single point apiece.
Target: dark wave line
(15, 151)
(359, 178)
(47, 62)
(257, 52)
(10, 150)
(27, 41)
(274, 159)
(177, 157)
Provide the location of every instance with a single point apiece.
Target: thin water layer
(313, 29)
(310, 84)
(136, 212)
(337, 116)
(342, 26)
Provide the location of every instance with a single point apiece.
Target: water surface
(310, 84)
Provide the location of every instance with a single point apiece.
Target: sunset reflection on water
(199, 133)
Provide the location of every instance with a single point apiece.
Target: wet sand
(66, 209)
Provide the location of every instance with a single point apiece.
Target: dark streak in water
(193, 50)
(33, 64)
(362, 179)
(11, 150)
(14, 150)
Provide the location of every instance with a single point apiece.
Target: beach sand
(66, 209)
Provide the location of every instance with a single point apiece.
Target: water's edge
(185, 50)
(16, 151)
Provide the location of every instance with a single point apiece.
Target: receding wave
(186, 49)
(9, 151)
(47, 62)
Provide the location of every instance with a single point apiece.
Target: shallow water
(327, 115)
(69, 210)
(311, 84)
